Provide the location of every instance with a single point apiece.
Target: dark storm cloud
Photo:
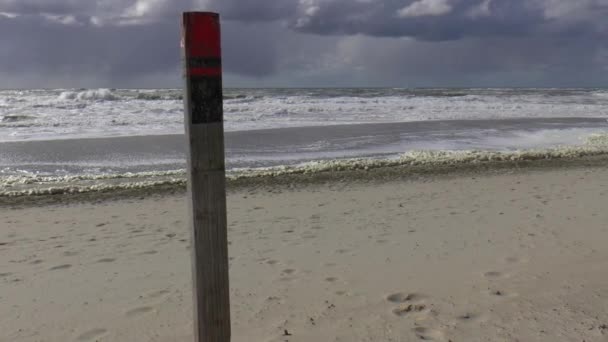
(392, 42)
(50, 6)
(113, 47)
(86, 48)
(254, 10)
(384, 19)
(434, 19)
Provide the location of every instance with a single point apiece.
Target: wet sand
(502, 256)
(288, 146)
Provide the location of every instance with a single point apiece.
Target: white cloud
(143, 8)
(144, 11)
(569, 13)
(141, 12)
(61, 19)
(481, 10)
(425, 8)
(311, 11)
(9, 15)
(570, 9)
(308, 9)
(96, 21)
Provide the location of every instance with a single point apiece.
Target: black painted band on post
(206, 99)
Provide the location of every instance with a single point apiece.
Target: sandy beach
(394, 171)
(511, 255)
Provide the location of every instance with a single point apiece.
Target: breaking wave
(62, 113)
(89, 95)
(131, 94)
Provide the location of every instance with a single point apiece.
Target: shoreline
(303, 179)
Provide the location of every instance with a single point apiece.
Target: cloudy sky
(400, 43)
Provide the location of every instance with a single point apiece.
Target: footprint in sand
(429, 334)
(271, 262)
(91, 334)
(316, 222)
(331, 279)
(516, 260)
(157, 294)
(402, 297)
(106, 260)
(60, 267)
(139, 311)
(410, 309)
(2, 275)
(289, 271)
(493, 274)
(413, 304)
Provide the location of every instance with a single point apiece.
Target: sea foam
(89, 95)
(413, 161)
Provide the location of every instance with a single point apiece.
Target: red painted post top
(202, 43)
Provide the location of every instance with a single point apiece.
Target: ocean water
(51, 138)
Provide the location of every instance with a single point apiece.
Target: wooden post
(206, 177)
